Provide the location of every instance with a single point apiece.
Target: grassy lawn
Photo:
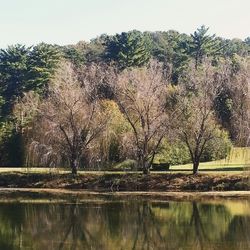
(237, 161)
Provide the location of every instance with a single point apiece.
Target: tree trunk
(195, 166)
(146, 170)
(142, 165)
(73, 166)
(146, 167)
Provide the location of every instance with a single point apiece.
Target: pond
(124, 223)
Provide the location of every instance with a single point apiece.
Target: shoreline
(129, 182)
(45, 195)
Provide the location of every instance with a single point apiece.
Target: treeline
(152, 96)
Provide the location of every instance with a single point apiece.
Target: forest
(128, 100)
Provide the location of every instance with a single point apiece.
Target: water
(125, 224)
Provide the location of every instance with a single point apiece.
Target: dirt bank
(128, 181)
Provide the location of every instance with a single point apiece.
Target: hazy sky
(69, 21)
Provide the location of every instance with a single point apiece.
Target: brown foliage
(197, 124)
(141, 96)
(70, 119)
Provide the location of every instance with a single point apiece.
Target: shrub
(174, 154)
(177, 153)
(217, 148)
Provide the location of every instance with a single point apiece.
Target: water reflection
(125, 225)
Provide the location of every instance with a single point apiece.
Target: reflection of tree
(195, 225)
(148, 234)
(65, 226)
(46, 226)
(122, 225)
(11, 219)
(238, 232)
(208, 224)
(196, 222)
(79, 233)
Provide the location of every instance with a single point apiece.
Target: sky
(69, 21)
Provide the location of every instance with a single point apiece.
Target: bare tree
(70, 117)
(141, 96)
(101, 75)
(233, 102)
(197, 124)
(240, 88)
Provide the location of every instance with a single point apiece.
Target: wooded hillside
(148, 97)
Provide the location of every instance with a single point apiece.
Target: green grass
(237, 160)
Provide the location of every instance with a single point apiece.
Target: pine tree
(42, 62)
(13, 74)
(203, 45)
(128, 49)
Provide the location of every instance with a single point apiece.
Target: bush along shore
(129, 181)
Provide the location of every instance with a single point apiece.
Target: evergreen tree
(128, 49)
(21, 69)
(13, 74)
(203, 45)
(75, 53)
(42, 62)
(171, 47)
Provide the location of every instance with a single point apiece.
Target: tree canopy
(114, 74)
